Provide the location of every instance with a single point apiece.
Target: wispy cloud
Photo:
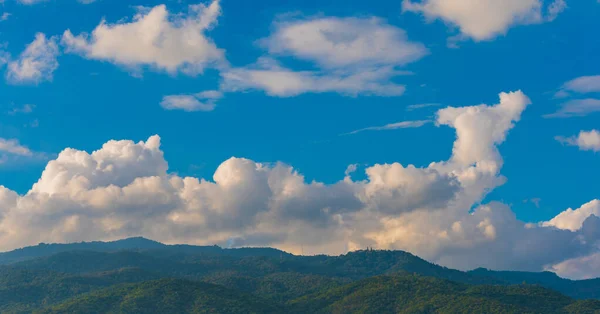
(36, 63)
(13, 146)
(27, 108)
(12, 152)
(535, 201)
(393, 126)
(341, 51)
(580, 85)
(576, 108)
(421, 106)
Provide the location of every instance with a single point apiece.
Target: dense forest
(142, 276)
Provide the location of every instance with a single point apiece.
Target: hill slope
(414, 294)
(166, 296)
(23, 290)
(383, 294)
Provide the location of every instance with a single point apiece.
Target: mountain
(39, 279)
(385, 294)
(44, 249)
(136, 243)
(166, 296)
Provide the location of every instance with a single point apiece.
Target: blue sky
(79, 91)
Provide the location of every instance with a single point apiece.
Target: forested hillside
(143, 276)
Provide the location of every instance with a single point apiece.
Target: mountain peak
(138, 240)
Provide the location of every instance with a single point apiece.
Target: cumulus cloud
(36, 63)
(393, 126)
(576, 108)
(352, 56)
(125, 189)
(586, 140)
(572, 219)
(485, 19)
(155, 38)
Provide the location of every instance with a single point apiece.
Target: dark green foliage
(579, 289)
(279, 286)
(22, 290)
(166, 296)
(414, 294)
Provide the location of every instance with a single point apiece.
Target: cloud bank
(125, 189)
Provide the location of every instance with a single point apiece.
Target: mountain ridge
(246, 266)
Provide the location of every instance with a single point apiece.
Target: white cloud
(583, 84)
(572, 219)
(485, 19)
(13, 153)
(204, 101)
(125, 189)
(155, 38)
(276, 80)
(576, 108)
(36, 63)
(352, 56)
(393, 126)
(4, 16)
(586, 140)
(344, 42)
(491, 125)
(580, 268)
(13, 147)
